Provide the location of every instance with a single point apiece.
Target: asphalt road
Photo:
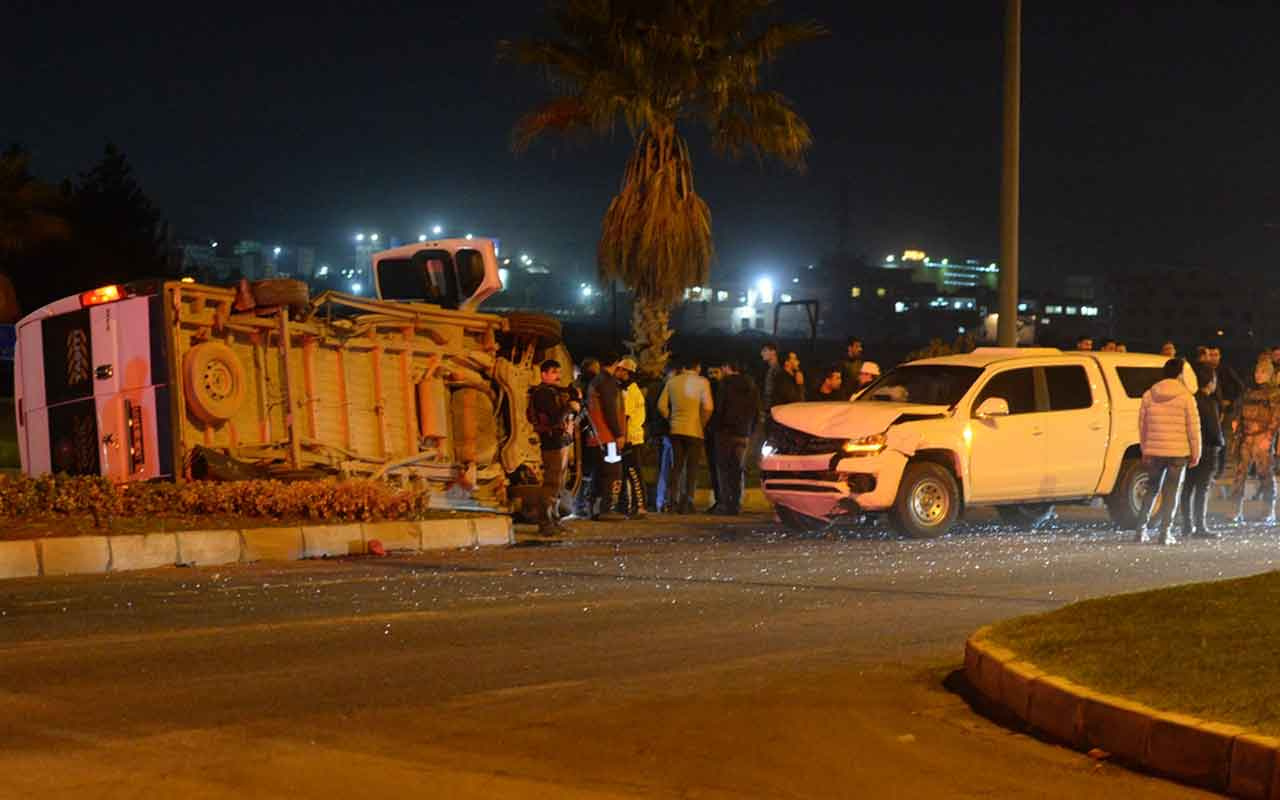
(679, 657)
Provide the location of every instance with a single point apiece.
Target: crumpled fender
(903, 439)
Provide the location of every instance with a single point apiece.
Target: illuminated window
(1053, 309)
(855, 291)
(1072, 311)
(722, 296)
(900, 307)
(1088, 311)
(879, 292)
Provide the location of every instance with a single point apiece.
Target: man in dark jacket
(737, 410)
(1195, 493)
(589, 463)
(788, 386)
(552, 409)
(609, 419)
(851, 364)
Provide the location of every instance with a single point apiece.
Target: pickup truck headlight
(866, 446)
(767, 449)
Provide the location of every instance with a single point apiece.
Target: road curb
(97, 555)
(1223, 758)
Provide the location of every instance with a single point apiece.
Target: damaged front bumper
(833, 485)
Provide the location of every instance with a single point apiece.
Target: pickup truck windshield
(928, 384)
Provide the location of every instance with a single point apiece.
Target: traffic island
(1181, 682)
(86, 555)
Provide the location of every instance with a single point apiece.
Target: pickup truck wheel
(1130, 492)
(1026, 515)
(928, 501)
(802, 523)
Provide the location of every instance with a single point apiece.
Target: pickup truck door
(1077, 428)
(1007, 454)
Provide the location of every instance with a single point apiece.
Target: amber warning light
(103, 294)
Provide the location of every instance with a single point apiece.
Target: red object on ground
(376, 548)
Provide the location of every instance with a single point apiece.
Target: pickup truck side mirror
(992, 407)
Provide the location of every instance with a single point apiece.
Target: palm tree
(30, 215)
(659, 66)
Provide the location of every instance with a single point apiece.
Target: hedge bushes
(23, 496)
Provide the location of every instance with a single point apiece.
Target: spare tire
(213, 382)
(524, 325)
(287, 292)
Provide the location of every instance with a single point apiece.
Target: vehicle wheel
(1130, 492)
(524, 325)
(802, 523)
(282, 292)
(928, 501)
(213, 382)
(1026, 515)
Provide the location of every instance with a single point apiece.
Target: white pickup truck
(1016, 428)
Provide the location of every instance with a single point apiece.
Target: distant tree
(31, 215)
(659, 66)
(116, 228)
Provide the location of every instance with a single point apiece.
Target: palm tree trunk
(650, 332)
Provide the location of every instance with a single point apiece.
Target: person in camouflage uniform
(1258, 422)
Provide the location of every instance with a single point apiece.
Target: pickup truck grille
(791, 442)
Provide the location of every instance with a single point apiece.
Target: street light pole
(1007, 327)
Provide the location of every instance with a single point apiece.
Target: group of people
(1188, 441)
(784, 380)
(690, 418)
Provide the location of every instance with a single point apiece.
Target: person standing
(772, 373)
(1084, 343)
(552, 411)
(833, 385)
(870, 372)
(1169, 350)
(1195, 495)
(686, 401)
(789, 385)
(608, 418)
(589, 465)
(633, 488)
(1169, 433)
(714, 375)
(1255, 431)
(851, 364)
(737, 411)
(1230, 389)
(660, 434)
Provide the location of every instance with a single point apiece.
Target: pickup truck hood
(849, 420)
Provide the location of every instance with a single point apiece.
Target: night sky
(1148, 136)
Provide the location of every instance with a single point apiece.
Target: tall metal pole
(1007, 328)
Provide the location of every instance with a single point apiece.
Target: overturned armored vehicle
(172, 379)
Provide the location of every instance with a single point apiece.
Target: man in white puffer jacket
(1169, 430)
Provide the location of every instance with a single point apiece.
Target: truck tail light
(103, 294)
(137, 457)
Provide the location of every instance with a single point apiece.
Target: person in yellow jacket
(633, 488)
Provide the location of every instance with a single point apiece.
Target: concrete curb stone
(446, 534)
(332, 541)
(19, 559)
(1253, 767)
(493, 531)
(208, 548)
(1208, 754)
(76, 555)
(394, 535)
(271, 544)
(143, 551)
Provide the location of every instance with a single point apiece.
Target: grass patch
(1207, 649)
